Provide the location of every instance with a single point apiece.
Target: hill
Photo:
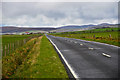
(12, 29)
(68, 28)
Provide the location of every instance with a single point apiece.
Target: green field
(105, 35)
(36, 59)
(12, 42)
(13, 38)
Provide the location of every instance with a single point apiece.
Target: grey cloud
(53, 14)
(95, 11)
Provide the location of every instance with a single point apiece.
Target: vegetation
(13, 38)
(12, 42)
(105, 35)
(36, 59)
(12, 62)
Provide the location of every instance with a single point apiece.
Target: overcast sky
(54, 14)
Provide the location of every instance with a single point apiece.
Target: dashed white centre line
(81, 44)
(75, 42)
(65, 50)
(90, 48)
(106, 55)
(70, 41)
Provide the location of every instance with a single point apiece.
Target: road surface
(88, 59)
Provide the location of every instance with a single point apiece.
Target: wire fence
(11, 47)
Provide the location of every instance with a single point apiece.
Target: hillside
(68, 28)
(12, 29)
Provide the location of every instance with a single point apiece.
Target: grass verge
(41, 62)
(12, 62)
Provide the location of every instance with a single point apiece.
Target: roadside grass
(51, 65)
(109, 36)
(12, 62)
(0, 68)
(42, 61)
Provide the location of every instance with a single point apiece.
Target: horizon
(52, 26)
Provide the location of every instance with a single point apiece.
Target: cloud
(58, 13)
(60, 1)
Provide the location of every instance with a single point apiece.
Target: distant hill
(87, 26)
(76, 26)
(12, 29)
(70, 28)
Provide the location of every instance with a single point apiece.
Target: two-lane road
(88, 59)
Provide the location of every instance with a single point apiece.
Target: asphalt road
(89, 59)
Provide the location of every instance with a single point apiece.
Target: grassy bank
(41, 61)
(107, 35)
(13, 61)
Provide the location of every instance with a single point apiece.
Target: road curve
(88, 59)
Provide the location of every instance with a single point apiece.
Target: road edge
(65, 61)
(95, 42)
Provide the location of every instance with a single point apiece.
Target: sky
(56, 14)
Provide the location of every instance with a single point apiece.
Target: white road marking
(71, 69)
(65, 50)
(98, 43)
(81, 44)
(75, 42)
(70, 41)
(90, 48)
(106, 55)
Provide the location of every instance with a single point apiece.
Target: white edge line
(70, 68)
(98, 43)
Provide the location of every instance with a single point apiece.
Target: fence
(11, 47)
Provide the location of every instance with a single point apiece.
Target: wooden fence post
(18, 43)
(94, 36)
(109, 35)
(8, 48)
(24, 41)
(5, 50)
(2, 51)
(13, 46)
(21, 43)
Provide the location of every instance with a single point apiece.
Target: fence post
(2, 51)
(13, 46)
(20, 43)
(5, 50)
(24, 41)
(109, 35)
(8, 48)
(94, 36)
(17, 43)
